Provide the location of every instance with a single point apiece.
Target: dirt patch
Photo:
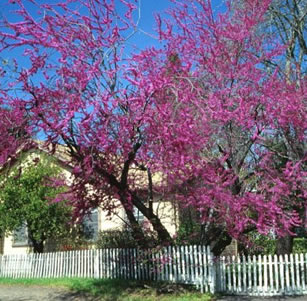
(38, 293)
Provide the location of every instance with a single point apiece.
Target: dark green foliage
(300, 245)
(122, 239)
(264, 245)
(115, 239)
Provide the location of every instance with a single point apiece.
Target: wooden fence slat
(255, 272)
(287, 274)
(187, 264)
(191, 265)
(281, 273)
(302, 269)
(292, 274)
(239, 287)
(265, 275)
(244, 274)
(249, 274)
(276, 271)
(297, 269)
(260, 283)
(175, 263)
(201, 269)
(234, 274)
(271, 279)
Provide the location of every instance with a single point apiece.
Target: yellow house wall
(112, 222)
(9, 248)
(165, 210)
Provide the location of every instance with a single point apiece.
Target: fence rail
(261, 275)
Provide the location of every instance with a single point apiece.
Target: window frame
(89, 223)
(21, 243)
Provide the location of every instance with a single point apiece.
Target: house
(98, 220)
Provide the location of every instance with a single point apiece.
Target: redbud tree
(198, 110)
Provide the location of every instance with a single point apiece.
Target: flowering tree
(13, 128)
(197, 111)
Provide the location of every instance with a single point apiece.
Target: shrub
(122, 239)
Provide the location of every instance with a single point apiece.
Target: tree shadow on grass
(118, 289)
(108, 289)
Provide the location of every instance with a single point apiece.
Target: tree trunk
(220, 244)
(137, 231)
(163, 235)
(284, 245)
(38, 246)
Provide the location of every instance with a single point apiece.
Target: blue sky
(140, 39)
(147, 21)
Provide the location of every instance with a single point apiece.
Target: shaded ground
(41, 293)
(277, 298)
(38, 293)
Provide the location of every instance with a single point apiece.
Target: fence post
(96, 263)
(212, 272)
(218, 274)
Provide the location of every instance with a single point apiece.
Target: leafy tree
(26, 194)
(197, 111)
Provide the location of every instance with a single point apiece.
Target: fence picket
(276, 270)
(297, 269)
(244, 274)
(282, 275)
(187, 264)
(292, 275)
(191, 264)
(265, 275)
(302, 269)
(260, 283)
(211, 268)
(230, 289)
(239, 288)
(287, 273)
(234, 274)
(249, 274)
(271, 280)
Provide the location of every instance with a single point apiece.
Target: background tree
(286, 21)
(230, 78)
(197, 111)
(26, 194)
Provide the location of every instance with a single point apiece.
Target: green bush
(115, 239)
(123, 239)
(300, 245)
(261, 244)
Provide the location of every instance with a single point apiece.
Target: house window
(20, 236)
(138, 215)
(90, 226)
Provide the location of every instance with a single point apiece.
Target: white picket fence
(261, 275)
(182, 264)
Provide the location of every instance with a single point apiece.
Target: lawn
(121, 290)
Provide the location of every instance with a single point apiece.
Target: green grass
(121, 290)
